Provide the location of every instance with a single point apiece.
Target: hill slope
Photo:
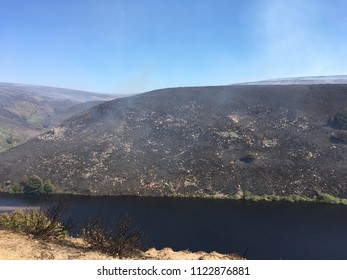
(203, 140)
(27, 110)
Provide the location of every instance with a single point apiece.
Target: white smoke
(295, 39)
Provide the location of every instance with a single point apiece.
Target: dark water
(268, 230)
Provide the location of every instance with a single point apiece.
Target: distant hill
(338, 79)
(53, 92)
(263, 139)
(26, 110)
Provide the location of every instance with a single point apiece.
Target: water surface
(275, 230)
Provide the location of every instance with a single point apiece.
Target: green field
(4, 130)
(35, 119)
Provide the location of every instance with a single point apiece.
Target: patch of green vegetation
(6, 139)
(296, 198)
(9, 140)
(44, 223)
(253, 197)
(32, 185)
(3, 147)
(322, 197)
(6, 143)
(49, 223)
(16, 189)
(329, 199)
(35, 119)
(4, 130)
(273, 197)
(35, 185)
(236, 196)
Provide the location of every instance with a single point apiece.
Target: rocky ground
(15, 246)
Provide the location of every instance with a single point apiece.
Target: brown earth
(15, 246)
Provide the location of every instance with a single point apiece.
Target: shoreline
(321, 197)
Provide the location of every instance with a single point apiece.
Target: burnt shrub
(339, 120)
(339, 137)
(116, 239)
(249, 157)
(53, 224)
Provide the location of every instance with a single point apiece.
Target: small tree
(47, 186)
(34, 185)
(9, 141)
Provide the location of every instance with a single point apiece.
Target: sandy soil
(15, 246)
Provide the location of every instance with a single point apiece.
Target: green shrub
(252, 197)
(15, 221)
(48, 187)
(16, 189)
(45, 223)
(35, 185)
(327, 198)
(9, 141)
(274, 197)
(301, 198)
(288, 198)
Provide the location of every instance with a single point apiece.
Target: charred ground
(265, 139)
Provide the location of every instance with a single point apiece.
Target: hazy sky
(130, 46)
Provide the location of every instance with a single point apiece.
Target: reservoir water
(264, 230)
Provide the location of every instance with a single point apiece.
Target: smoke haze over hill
(227, 140)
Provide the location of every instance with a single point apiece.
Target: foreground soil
(15, 246)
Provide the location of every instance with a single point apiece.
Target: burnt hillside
(203, 140)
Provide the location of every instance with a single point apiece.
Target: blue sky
(133, 46)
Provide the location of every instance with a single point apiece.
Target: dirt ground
(15, 246)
